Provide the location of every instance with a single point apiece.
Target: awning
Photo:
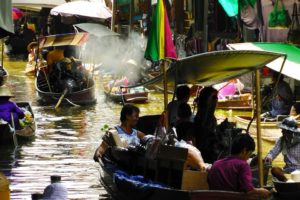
(76, 39)
(6, 22)
(291, 67)
(215, 67)
(37, 3)
(97, 30)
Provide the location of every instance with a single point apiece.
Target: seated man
(282, 97)
(233, 172)
(183, 122)
(129, 118)
(288, 144)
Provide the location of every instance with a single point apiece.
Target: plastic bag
(279, 17)
(294, 32)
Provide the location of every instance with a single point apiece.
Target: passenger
(282, 99)
(54, 56)
(129, 117)
(233, 172)
(7, 107)
(183, 122)
(56, 190)
(31, 48)
(288, 144)
(183, 96)
(205, 124)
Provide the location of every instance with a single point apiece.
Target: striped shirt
(291, 157)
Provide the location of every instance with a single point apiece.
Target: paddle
(61, 98)
(14, 134)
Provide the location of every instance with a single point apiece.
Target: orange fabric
(54, 56)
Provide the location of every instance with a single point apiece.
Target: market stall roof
(86, 9)
(97, 30)
(75, 39)
(215, 67)
(291, 66)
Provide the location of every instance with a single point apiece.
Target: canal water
(65, 141)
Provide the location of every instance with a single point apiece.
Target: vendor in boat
(233, 173)
(32, 48)
(7, 108)
(182, 96)
(54, 56)
(288, 144)
(282, 97)
(129, 117)
(205, 125)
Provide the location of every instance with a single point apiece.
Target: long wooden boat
(85, 96)
(236, 102)
(4, 78)
(121, 188)
(269, 129)
(135, 97)
(23, 135)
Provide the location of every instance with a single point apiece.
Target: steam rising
(117, 55)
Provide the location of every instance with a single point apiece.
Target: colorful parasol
(17, 14)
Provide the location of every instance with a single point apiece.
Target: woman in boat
(204, 131)
(7, 108)
(129, 117)
(233, 173)
(182, 96)
(288, 144)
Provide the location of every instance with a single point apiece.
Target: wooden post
(165, 86)
(258, 128)
(2, 52)
(113, 17)
(131, 13)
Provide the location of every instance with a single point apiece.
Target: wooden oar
(61, 98)
(15, 139)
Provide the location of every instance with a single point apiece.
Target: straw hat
(289, 124)
(31, 45)
(5, 92)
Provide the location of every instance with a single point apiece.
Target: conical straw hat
(5, 92)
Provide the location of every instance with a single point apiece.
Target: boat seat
(168, 165)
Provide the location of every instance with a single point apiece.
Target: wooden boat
(4, 78)
(23, 135)
(285, 190)
(269, 129)
(129, 97)
(82, 97)
(241, 102)
(122, 188)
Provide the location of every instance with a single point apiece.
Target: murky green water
(65, 141)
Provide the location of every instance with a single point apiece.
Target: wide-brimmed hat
(31, 45)
(5, 92)
(289, 124)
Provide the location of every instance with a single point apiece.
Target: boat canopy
(97, 30)
(291, 66)
(215, 67)
(75, 39)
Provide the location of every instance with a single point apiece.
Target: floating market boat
(69, 90)
(133, 174)
(132, 95)
(237, 102)
(25, 134)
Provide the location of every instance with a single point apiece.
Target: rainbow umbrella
(17, 14)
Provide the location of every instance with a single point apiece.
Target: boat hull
(140, 97)
(269, 130)
(3, 79)
(23, 135)
(82, 97)
(234, 104)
